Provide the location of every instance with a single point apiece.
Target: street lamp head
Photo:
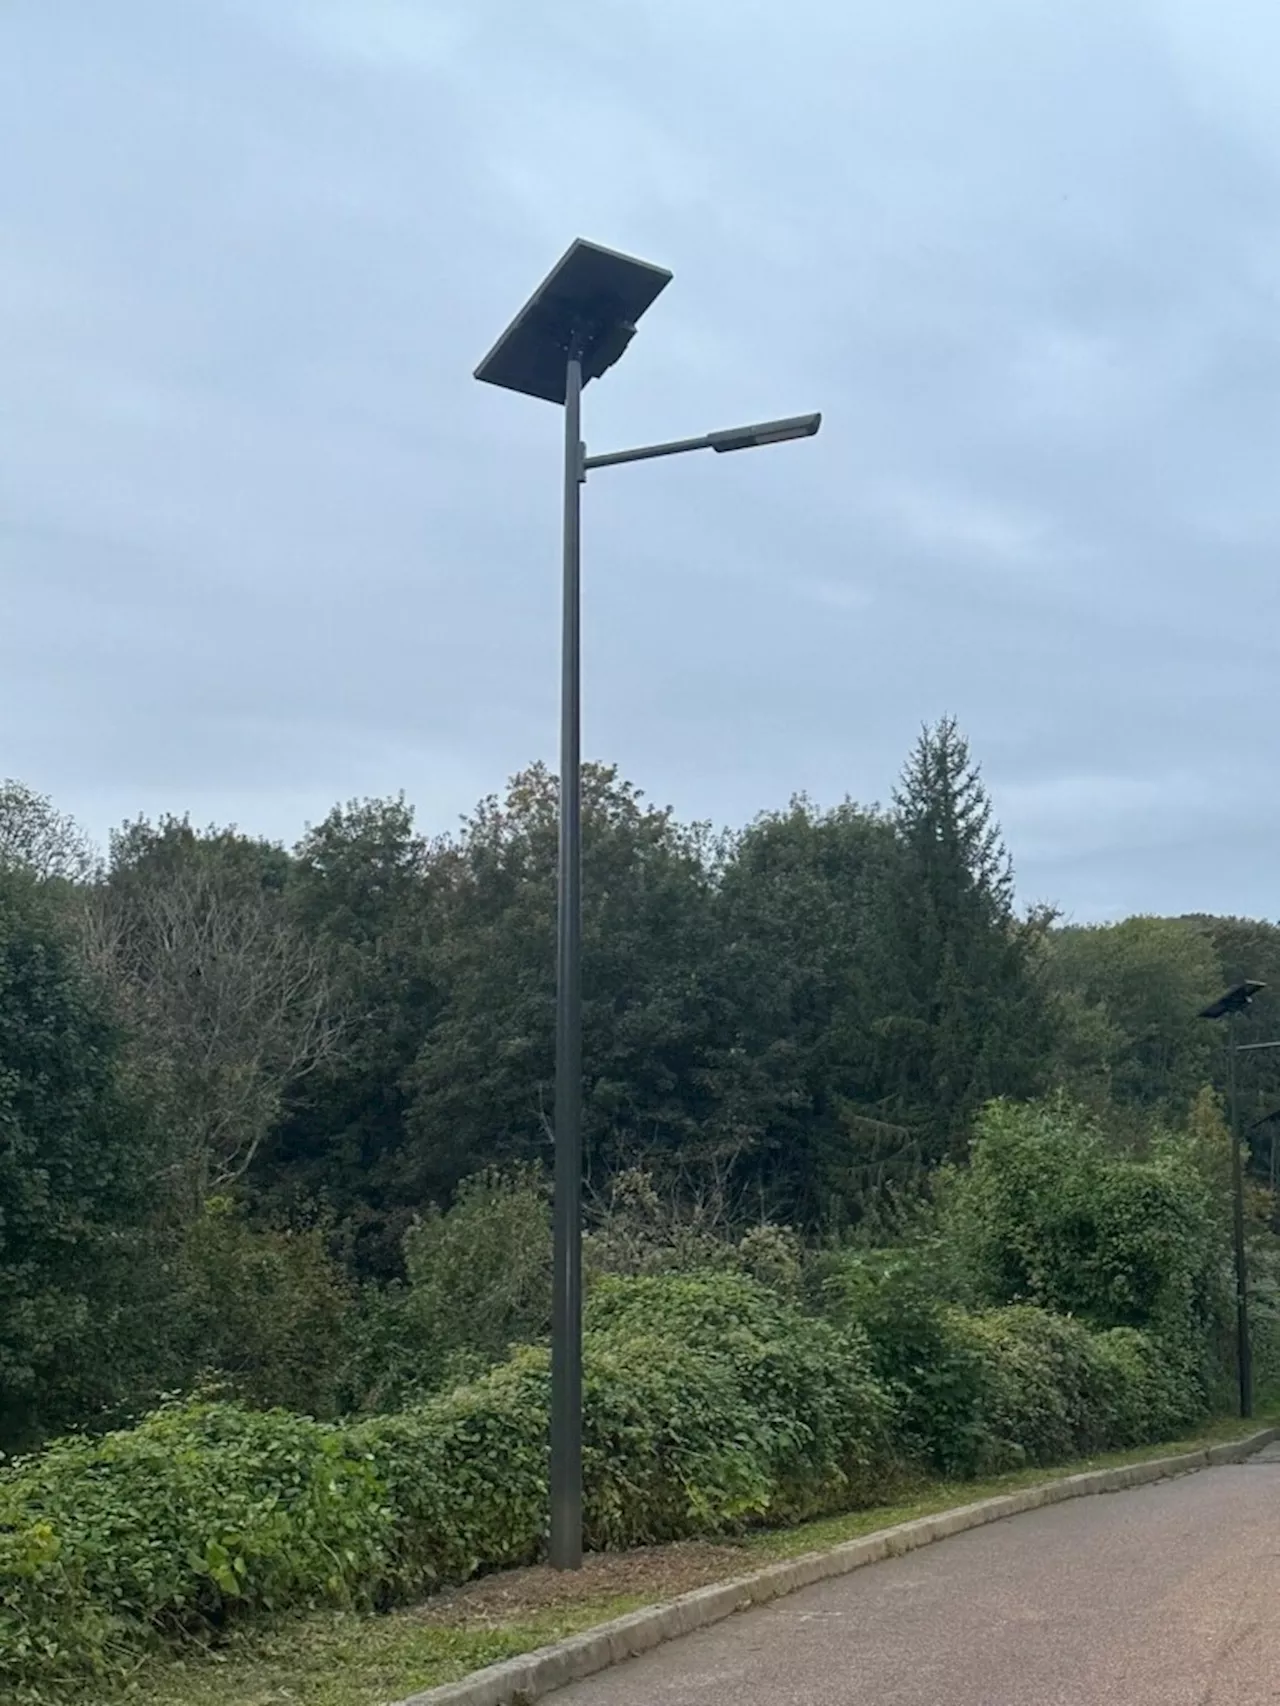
(765, 432)
(1236, 999)
(588, 306)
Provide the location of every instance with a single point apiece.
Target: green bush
(168, 1528)
(465, 1475)
(1052, 1389)
(1043, 1389)
(806, 1406)
(1153, 1394)
(1264, 1314)
(930, 1367)
(479, 1279)
(669, 1447)
(1046, 1214)
(479, 1283)
(265, 1310)
(708, 1403)
(976, 1392)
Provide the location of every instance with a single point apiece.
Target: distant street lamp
(1230, 1006)
(574, 327)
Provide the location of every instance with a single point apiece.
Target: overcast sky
(265, 544)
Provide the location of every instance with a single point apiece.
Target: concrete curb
(519, 1681)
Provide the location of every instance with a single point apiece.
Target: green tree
(36, 837)
(964, 1014)
(1128, 995)
(799, 908)
(1250, 948)
(483, 1081)
(373, 894)
(75, 1161)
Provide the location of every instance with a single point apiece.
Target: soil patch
(654, 1572)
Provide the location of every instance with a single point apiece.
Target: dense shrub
(1264, 1315)
(465, 1476)
(1152, 1394)
(980, 1391)
(1046, 1214)
(171, 1526)
(670, 1445)
(478, 1283)
(1051, 1389)
(479, 1278)
(263, 1310)
(709, 1403)
(932, 1370)
(807, 1406)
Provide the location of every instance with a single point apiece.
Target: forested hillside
(886, 1178)
(236, 1075)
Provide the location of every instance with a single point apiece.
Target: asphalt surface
(1167, 1595)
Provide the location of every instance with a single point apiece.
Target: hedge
(709, 1404)
(163, 1529)
(977, 1392)
(1053, 1389)
(808, 1424)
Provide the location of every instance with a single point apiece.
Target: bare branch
(227, 1002)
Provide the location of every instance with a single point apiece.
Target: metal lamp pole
(572, 330)
(566, 1290)
(1244, 1350)
(566, 1299)
(1230, 1007)
(1245, 1343)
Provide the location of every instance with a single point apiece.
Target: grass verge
(343, 1660)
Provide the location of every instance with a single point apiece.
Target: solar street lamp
(1230, 1006)
(573, 329)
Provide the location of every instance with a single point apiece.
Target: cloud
(962, 525)
(267, 544)
(835, 594)
(1224, 56)
(395, 36)
(1085, 814)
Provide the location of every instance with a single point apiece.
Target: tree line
(234, 1077)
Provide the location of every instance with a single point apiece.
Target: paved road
(1167, 1595)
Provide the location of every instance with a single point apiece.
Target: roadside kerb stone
(519, 1681)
